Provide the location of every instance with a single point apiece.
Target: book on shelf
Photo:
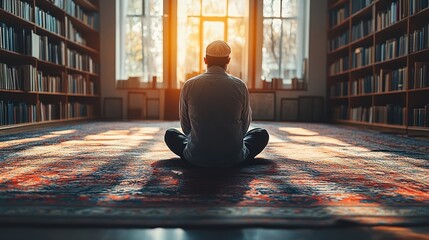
(78, 110)
(89, 18)
(419, 117)
(18, 8)
(14, 39)
(363, 85)
(72, 34)
(77, 83)
(339, 41)
(340, 65)
(59, 3)
(362, 56)
(360, 114)
(419, 75)
(338, 15)
(80, 61)
(360, 4)
(417, 5)
(340, 89)
(391, 48)
(389, 114)
(45, 49)
(17, 112)
(419, 39)
(50, 111)
(14, 77)
(391, 80)
(340, 112)
(48, 83)
(396, 11)
(45, 20)
(362, 29)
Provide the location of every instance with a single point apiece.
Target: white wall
(316, 52)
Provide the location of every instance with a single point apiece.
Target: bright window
(283, 39)
(140, 39)
(203, 21)
(273, 46)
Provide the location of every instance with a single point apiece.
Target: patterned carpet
(122, 174)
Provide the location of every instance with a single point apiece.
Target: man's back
(215, 115)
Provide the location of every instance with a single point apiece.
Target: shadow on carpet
(121, 174)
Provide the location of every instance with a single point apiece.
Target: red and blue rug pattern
(121, 173)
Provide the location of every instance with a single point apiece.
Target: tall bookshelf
(378, 61)
(49, 57)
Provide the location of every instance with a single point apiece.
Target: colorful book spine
(396, 11)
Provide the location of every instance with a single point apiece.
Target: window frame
(254, 46)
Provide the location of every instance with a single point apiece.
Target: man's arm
(183, 112)
(246, 116)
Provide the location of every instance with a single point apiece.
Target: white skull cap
(218, 48)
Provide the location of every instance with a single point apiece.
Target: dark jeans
(255, 140)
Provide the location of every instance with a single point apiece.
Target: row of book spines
(362, 29)
(385, 81)
(21, 112)
(419, 117)
(78, 84)
(19, 8)
(362, 56)
(417, 5)
(360, 4)
(27, 78)
(47, 21)
(385, 18)
(337, 16)
(360, 114)
(91, 19)
(341, 65)
(362, 86)
(80, 61)
(339, 89)
(339, 41)
(389, 114)
(25, 10)
(420, 73)
(394, 13)
(392, 48)
(419, 39)
(72, 34)
(44, 49)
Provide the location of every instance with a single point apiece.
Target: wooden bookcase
(51, 73)
(372, 80)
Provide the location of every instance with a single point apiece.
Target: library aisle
(122, 174)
